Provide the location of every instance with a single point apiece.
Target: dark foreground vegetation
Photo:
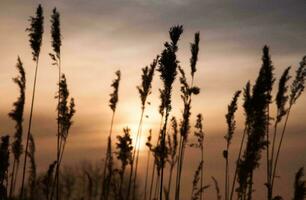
(117, 177)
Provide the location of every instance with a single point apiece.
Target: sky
(100, 37)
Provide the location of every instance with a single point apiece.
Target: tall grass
(256, 141)
(35, 30)
(187, 91)
(111, 182)
(108, 164)
(296, 89)
(231, 125)
(66, 111)
(247, 112)
(16, 114)
(144, 91)
(168, 70)
(56, 58)
(281, 100)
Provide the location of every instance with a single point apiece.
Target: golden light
(141, 144)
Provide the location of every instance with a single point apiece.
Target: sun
(141, 144)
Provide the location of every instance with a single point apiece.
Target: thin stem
(58, 63)
(154, 162)
(58, 132)
(226, 174)
(137, 146)
(163, 144)
(181, 153)
(268, 155)
(202, 171)
(147, 175)
(279, 147)
(272, 158)
(105, 163)
(236, 169)
(178, 168)
(29, 131)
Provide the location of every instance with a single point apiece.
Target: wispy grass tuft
(124, 154)
(16, 114)
(66, 111)
(196, 184)
(36, 31)
(194, 53)
(231, 126)
(114, 96)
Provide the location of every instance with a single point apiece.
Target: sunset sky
(102, 36)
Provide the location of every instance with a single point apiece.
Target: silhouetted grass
(168, 70)
(111, 181)
(56, 57)
(199, 135)
(231, 125)
(124, 155)
(16, 114)
(186, 96)
(296, 89)
(149, 145)
(35, 30)
(32, 170)
(257, 130)
(108, 165)
(144, 91)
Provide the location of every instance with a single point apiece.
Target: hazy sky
(100, 37)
